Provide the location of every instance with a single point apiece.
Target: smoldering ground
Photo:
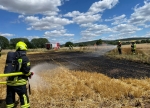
(49, 69)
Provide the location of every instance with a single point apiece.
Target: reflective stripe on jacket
(17, 83)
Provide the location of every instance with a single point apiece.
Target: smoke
(42, 67)
(39, 71)
(100, 50)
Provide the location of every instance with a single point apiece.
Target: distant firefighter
(70, 47)
(133, 47)
(119, 47)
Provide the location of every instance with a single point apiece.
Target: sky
(74, 20)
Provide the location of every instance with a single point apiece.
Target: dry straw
(62, 88)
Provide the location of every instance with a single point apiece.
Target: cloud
(73, 14)
(94, 30)
(100, 27)
(86, 18)
(126, 28)
(92, 15)
(141, 15)
(118, 20)
(81, 18)
(6, 34)
(21, 16)
(30, 6)
(57, 33)
(47, 23)
(102, 5)
(147, 34)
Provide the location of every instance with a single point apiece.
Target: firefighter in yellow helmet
(133, 47)
(119, 47)
(17, 84)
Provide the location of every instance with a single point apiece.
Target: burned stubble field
(75, 79)
(81, 61)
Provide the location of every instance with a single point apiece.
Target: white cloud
(86, 18)
(118, 20)
(147, 34)
(30, 6)
(102, 5)
(73, 14)
(81, 18)
(126, 28)
(57, 33)
(101, 28)
(47, 23)
(6, 34)
(21, 16)
(147, 26)
(141, 15)
(92, 14)
(93, 30)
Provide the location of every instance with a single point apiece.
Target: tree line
(80, 44)
(34, 43)
(39, 42)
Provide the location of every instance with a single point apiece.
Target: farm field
(142, 53)
(84, 79)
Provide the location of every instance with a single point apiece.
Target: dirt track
(93, 63)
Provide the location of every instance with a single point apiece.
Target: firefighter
(70, 47)
(119, 47)
(133, 47)
(17, 84)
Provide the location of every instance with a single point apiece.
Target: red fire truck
(52, 46)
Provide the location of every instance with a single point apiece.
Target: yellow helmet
(21, 46)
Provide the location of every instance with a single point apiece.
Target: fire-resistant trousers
(21, 91)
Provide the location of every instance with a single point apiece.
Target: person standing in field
(119, 47)
(18, 62)
(70, 47)
(133, 47)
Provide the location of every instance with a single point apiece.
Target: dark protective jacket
(133, 46)
(22, 65)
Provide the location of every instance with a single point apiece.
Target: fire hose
(10, 74)
(13, 74)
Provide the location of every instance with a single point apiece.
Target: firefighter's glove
(31, 75)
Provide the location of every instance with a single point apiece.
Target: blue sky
(74, 20)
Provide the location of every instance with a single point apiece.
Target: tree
(81, 45)
(15, 40)
(4, 43)
(148, 40)
(39, 42)
(137, 42)
(98, 42)
(143, 41)
(68, 43)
